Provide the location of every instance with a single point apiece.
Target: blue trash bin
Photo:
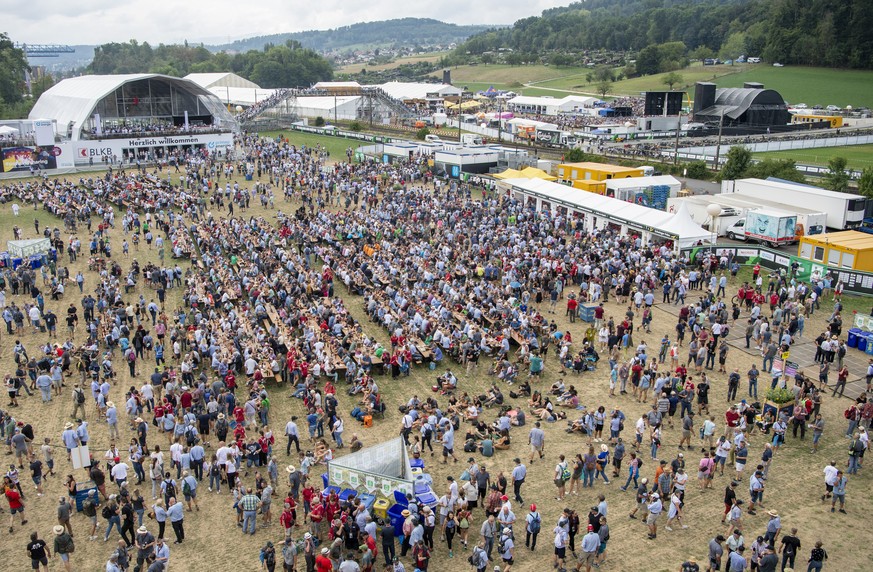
(862, 341)
(395, 513)
(852, 339)
(869, 349)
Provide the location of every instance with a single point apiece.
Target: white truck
(555, 138)
(844, 210)
(772, 228)
(742, 219)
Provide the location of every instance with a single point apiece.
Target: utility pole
(460, 102)
(718, 142)
(676, 147)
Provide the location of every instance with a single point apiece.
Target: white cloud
(216, 21)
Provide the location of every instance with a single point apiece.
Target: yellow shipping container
(587, 171)
(846, 249)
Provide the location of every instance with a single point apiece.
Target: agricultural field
(356, 68)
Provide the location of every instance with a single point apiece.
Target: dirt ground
(214, 541)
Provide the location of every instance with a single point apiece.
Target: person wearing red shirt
(322, 562)
(15, 506)
(287, 520)
(731, 417)
(230, 382)
(316, 516)
(572, 304)
(239, 415)
(308, 494)
(186, 399)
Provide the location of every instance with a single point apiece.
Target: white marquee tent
(28, 247)
(601, 210)
(379, 470)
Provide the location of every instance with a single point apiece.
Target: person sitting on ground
(503, 441)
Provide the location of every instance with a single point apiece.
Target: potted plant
(781, 399)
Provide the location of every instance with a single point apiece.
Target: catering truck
(844, 210)
(772, 228)
(555, 137)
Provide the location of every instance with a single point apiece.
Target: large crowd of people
(249, 304)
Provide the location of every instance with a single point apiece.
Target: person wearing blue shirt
(112, 419)
(176, 514)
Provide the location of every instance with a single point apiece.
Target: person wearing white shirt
(293, 434)
(830, 473)
(119, 473)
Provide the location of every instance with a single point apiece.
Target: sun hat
(405, 512)
(58, 529)
(291, 469)
(68, 425)
(307, 536)
(325, 550)
(604, 447)
(142, 530)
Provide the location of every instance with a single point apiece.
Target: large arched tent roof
(73, 100)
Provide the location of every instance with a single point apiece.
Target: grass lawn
(822, 86)
(636, 85)
(336, 146)
(858, 156)
(213, 539)
(506, 74)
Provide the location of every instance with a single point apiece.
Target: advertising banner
(17, 159)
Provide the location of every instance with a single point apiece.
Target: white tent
(629, 216)
(7, 130)
(28, 247)
(682, 225)
(378, 470)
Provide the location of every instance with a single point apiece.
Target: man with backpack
(78, 402)
(534, 524)
(64, 545)
(479, 558)
(189, 490)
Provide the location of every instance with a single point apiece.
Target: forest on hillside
(285, 65)
(832, 33)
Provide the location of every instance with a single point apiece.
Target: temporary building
(848, 249)
(28, 247)
(377, 470)
(600, 211)
(220, 79)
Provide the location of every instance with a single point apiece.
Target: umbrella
(515, 284)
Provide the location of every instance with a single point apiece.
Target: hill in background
(398, 33)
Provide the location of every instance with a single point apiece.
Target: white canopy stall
(28, 247)
(378, 470)
(599, 211)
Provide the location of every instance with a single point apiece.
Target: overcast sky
(217, 21)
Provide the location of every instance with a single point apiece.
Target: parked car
(800, 106)
(833, 108)
(778, 65)
(817, 107)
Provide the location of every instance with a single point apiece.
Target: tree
(739, 159)
(672, 79)
(319, 121)
(837, 179)
(865, 183)
(698, 170)
(603, 87)
(356, 126)
(575, 155)
(422, 133)
(13, 65)
(734, 46)
(779, 168)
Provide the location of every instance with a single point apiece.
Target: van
(754, 60)
(432, 138)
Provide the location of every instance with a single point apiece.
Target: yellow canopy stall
(509, 174)
(465, 105)
(534, 173)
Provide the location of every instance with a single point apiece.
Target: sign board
(81, 457)
(791, 369)
(44, 132)
(99, 150)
